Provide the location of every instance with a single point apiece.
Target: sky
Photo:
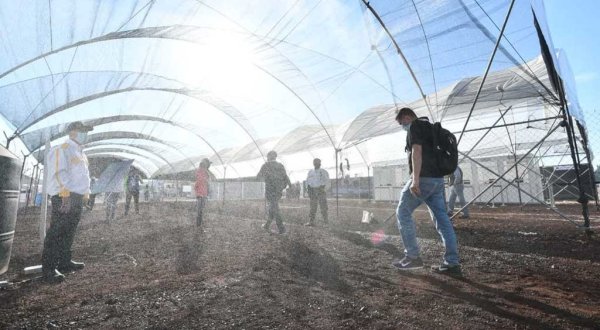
(575, 28)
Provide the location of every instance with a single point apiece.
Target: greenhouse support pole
(23, 167)
(337, 186)
(29, 190)
(37, 180)
(583, 200)
(487, 69)
(224, 182)
(518, 179)
(568, 124)
(44, 208)
(369, 181)
(586, 149)
(176, 187)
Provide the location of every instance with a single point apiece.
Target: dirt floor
(523, 268)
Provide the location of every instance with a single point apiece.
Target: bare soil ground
(523, 268)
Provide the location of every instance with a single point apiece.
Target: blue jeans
(432, 194)
(457, 191)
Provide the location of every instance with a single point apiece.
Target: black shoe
(408, 263)
(53, 277)
(71, 266)
(452, 270)
(464, 217)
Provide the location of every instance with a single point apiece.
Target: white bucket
(367, 217)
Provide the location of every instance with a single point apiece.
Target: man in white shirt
(68, 185)
(316, 182)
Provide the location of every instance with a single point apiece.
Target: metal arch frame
(137, 155)
(91, 122)
(293, 132)
(175, 148)
(137, 151)
(114, 144)
(180, 91)
(122, 135)
(120, 118)
(187, 92)
(400, 53)
(104, 136)
(127, 135)
(134, 33)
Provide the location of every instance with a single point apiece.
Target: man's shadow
(493, 307)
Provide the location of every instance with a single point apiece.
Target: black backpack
(445, 147)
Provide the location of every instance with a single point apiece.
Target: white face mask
(81, 137)
(406, 127)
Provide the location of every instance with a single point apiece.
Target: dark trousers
(91, 202)
(136, 201)
(60, 235)
(318, 197)
(200, 204)
(274, 213)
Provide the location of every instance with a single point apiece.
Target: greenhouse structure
(168, 83)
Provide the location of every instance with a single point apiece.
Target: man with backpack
(426, 185)
(276, 180)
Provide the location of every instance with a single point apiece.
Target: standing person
(316, 181)
(132, 189)
(276, 180)
(68, 186)
(110, 205)
(92, 200)
(146, 193)
(426, 185)
(457, 189)
(203, 177)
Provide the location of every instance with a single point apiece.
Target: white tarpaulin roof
(169, 82)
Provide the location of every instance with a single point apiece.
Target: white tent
(167, 83)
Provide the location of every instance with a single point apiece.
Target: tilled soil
(523, 268)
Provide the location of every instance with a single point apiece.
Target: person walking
(457, 190)
(110, 205)
(203, 177)
(426, 185)
(146, 193)
(69, 187)
(276, 180)
(132, 190)
(317, 181)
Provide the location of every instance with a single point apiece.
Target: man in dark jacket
(276, 180)
(132, 190)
